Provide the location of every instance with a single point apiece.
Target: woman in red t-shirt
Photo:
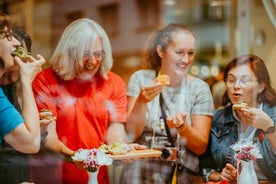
(88, 100)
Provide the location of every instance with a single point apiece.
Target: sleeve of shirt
(10, 118)
(118, 104)
(134, 88)
(138, 80)
(204, 104)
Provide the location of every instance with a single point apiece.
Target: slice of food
(105, 148)
(118, 148)
(163, 79)
(240, 105)
(50, 117)
(115, 148)
(22, 53)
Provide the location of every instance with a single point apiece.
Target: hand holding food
(149, 92)
(29, 70)
(46, 117)
(22, 53)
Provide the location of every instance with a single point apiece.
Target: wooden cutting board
(137, 154)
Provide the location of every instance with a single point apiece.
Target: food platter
(137, 154)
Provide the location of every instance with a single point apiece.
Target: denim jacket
(224, 133)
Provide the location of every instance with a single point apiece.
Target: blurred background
(224, 28)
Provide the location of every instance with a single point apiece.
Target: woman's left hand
(176, 120)
(257, 118)
(229, 173)
(46, 117)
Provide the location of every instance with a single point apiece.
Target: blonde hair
(68, 55)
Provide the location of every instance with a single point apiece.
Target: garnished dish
(240, 105)
(163, 79)
(115, 148)
(22, 53)
(121, 151)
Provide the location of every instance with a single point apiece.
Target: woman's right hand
(229, 173)
(148, 93)
(29, 70)
(46, 117)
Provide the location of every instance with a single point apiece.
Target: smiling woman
(186, 101)
(88, 100)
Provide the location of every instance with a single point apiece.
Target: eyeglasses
(6, 34)
(99, 55)
(243, 81)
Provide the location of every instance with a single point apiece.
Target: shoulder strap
(164, 116)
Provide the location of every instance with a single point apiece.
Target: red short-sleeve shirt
(84, 109)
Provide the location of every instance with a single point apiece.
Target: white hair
(68, 55)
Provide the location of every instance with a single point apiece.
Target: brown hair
(5, 22)
(258, 67)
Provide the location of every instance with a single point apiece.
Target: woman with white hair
(88, 100)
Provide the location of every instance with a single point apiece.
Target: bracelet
(182, 127)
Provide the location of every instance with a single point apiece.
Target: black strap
(164, 116)
(161, 101)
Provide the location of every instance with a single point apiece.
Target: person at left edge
(20, 130)
(88, 100)
(14, 165)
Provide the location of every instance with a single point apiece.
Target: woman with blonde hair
(88, 100)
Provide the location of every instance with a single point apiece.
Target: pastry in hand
(49, 117)
(240, 105)
(163, 79)
(22, 53)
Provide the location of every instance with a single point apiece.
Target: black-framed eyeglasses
(98, 55)
(6, 34)
(243, 81)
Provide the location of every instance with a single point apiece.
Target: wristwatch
(270, 130)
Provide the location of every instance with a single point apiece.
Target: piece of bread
(50, 117)
(22, 53)
(163, 79)
(240, 105)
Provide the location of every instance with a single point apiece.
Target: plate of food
(22, 53)
(137, 154)
(121, 151)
